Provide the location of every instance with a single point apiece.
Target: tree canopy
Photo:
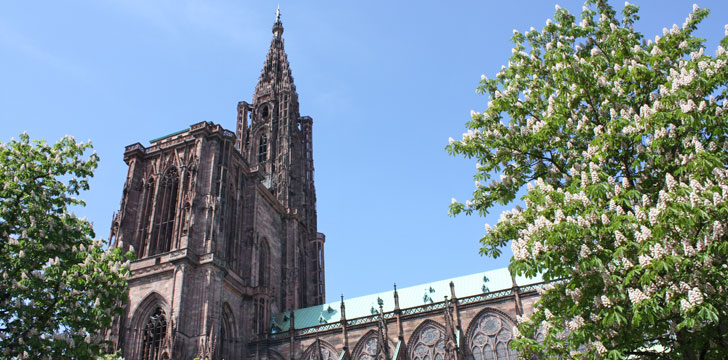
(622, 145)
(59, 288)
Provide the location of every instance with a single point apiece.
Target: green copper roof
(174, 133)
(413, 296)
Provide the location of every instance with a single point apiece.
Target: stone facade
(224, 227)
(478, 325)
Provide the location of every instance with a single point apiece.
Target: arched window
(490, 336)
(320, 350)
(162, 233)
(263, 148)
(369, 351)
(143, 231)
(429, 343)
(154, 333)
(260, 316)
(225, 348)
(263, 264)
(264, 113)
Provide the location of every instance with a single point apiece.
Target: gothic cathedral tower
(224, 227)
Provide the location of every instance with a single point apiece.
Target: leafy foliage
(622, 143)
(58, 288)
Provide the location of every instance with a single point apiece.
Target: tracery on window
(369, 349)
(491, 338)
(154, 332)
(263, 149)
(320, 350)
(162, 232)
(429, 344)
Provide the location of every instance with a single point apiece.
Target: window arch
(263, 148)
(368, 347)
(489, 336)
(225, 344)
(162, 232)
(155, 330)
(428, 342)
(320, 350)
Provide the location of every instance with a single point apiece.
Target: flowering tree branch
(627, 141)
(59, 288)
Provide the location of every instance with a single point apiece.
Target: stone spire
(277, 142)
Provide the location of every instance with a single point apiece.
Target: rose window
(369, 351)
(491, 338)
(430, 345)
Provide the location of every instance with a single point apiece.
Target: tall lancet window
(144, 221)
(162, 233)
(263, 148)
(154, 332)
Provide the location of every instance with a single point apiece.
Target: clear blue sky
(386, 83)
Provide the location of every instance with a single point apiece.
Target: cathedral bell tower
(277, 140)
(271, 133)
(224, 228)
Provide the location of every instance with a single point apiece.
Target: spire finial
(278, 26)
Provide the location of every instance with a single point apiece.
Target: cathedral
(230, 263)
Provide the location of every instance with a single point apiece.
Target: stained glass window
(369, 350)
(154, 332)
(430, 344)
(491, 337)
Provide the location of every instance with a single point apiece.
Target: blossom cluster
(60, 287)
(622, 146)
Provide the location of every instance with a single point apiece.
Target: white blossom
(636, 296)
